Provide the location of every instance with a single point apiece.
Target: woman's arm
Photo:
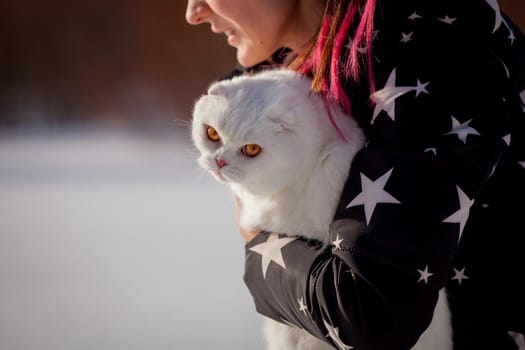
(437, 131)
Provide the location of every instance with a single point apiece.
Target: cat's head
(257, 133)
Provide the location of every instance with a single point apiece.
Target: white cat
(269, 138)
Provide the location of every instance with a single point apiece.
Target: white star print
(462, 130)
(511, 36)
(385, 98)
(424, 274)
(506, 138)
(405, 38)
(271, 251)
(414, 16)
(372, 193)
(498, 19)
(333, 332)
(431, 149)
(461, 215)
(519, 339)
(497, 13)
(302, 306)
(337, 242)
(420, 87)
(361, 49)
(507, 72)
(447, 20)
(459, 275)
(493, 170)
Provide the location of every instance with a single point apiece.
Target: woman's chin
(243, 61)
(247, 58)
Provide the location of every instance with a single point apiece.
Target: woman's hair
(328, 58)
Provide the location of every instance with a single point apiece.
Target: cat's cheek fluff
(207, 164)
(204, 163)
(231, 175)
(218, 176)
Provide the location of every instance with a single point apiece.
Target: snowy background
(115, 239)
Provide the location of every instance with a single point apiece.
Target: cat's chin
(227, 176)
(223, 178)
(219, 177)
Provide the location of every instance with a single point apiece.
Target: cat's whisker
(189, 155)
(182, 123)
(198, 175)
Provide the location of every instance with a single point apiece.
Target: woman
(439, 187)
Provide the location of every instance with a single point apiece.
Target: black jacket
(434, 199)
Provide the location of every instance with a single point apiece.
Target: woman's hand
(246, 234)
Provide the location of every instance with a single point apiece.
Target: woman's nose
(197, 11)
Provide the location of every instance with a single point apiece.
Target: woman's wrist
(246, 234)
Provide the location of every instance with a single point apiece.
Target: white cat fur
(294, 184)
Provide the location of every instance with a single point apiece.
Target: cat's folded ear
(284, 121)
(218, 89)
(284, 111)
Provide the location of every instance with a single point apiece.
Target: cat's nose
(220, 163)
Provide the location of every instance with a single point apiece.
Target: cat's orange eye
(251, 150)
(213, 135)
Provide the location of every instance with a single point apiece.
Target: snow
(115, 240)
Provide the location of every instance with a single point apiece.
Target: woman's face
(256, 28)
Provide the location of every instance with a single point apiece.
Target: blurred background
(110, 236)
(118, 61)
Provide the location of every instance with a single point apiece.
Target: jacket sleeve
(437, 132)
